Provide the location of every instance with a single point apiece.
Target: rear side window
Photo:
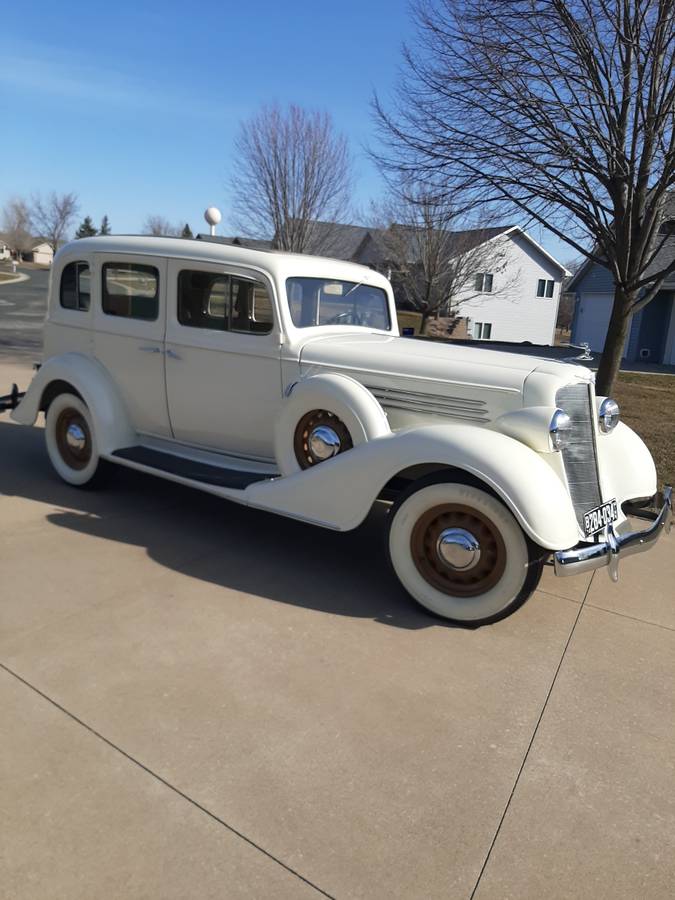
(223, 302)
(130, 290)
(75, 289)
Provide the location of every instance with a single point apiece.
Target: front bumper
(587, 557)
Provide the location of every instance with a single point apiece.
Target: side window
(203, 300)
(223, 302)
(545, 288)
(130, 290)
(75, 288)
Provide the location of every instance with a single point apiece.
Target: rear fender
(340, 492)
(92, 382)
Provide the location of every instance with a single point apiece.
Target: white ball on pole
(213, 217)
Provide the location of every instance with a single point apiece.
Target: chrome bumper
(586, 557)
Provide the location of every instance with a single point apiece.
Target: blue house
(652, 333)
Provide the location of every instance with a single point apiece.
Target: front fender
(340, 492)
(112, 425)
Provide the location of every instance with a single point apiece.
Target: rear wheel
(460, 553)
(71, 442)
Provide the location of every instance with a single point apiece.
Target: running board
(191, 470)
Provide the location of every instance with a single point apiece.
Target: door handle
(150, 349)
(172, 354)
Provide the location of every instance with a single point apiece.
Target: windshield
(321, 301)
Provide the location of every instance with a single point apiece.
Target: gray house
(652, 332)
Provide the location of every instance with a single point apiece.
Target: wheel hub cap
(324, 442)
(458, 548)
(75, 437)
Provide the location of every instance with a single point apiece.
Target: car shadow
(245, 550)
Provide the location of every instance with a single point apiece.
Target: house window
(484, 282)
(545, 287)
(130, 290)
(482, 331)
(223, 303)
(75, 290)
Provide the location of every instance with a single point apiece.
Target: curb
(15, 280)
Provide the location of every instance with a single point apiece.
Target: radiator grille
(579, 458)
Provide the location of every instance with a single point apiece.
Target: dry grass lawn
(648, 406)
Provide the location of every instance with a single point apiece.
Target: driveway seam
(615, 612)
(531, 742)
(166, 783)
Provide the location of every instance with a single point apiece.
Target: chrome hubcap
(324, 442)
(75, 437)
(458, 548)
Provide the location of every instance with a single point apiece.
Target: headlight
(559, 429)
(609, 415)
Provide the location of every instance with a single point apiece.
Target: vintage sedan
(279, 381)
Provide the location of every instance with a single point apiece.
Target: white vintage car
(280, 382)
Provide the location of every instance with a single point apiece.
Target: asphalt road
(22, 312)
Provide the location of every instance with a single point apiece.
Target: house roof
(664, 257)
(342, 241)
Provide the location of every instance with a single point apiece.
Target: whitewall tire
(71, 441)
(459, 552)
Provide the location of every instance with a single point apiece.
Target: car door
(223, 358)
(129, 326)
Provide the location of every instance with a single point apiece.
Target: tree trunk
(619, 325)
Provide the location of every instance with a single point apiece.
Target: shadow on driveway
(235, 547)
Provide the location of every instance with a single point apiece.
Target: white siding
(513, 308)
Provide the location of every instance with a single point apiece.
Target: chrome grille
(579, 458)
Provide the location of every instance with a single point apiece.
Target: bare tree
(161, 227)
(438, 262)
(53, 216)
(291, 168)
(16, 226)
(562, 109)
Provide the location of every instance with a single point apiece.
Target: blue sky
(135, 106)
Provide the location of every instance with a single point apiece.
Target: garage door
(593, 319)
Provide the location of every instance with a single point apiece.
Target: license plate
(597, 519)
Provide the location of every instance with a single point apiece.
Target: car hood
(378, 359)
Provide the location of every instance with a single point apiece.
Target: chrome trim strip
(587, 557)
(424, 395)
(445, 413)
(434, 404)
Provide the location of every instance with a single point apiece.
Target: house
(652, 331)
(42, 254)
(5, 252)
(514, 297)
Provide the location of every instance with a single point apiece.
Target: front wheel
(459, 552)
(71, 442)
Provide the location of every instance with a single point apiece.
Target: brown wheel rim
(478, 571)
(307, 427)
(73, 438)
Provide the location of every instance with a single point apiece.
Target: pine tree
(186, 232)
(105, 226)
(86, 229)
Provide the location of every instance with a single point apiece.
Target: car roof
(277, 263)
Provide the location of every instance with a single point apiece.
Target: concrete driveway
(199, 700)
